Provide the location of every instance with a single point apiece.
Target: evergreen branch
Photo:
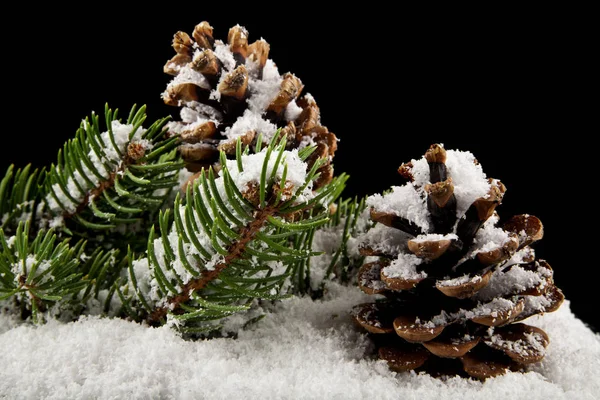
(337, 242)
(19, 196)
(42, 273)
(230, 239)
(235, 251)
(111, 180)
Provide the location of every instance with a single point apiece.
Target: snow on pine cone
(451, 284)
(233, 90)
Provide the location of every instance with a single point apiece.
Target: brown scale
(200, 144)
(444, 325)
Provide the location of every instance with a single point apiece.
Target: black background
(511, 88)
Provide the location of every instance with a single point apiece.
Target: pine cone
(230, 91)
(452, 283)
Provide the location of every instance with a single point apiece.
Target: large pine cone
(453, 285)
(230, 91)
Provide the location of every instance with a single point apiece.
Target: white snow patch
(405, 266)
(304, 350)
(434, 237)
(252, 170)
(384, 239)
(404, 201)
(264, 90)
(292, 111)
(251, 121)
(224, 55)
(468, 178)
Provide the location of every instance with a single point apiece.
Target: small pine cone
(453, 283)
(233, 90)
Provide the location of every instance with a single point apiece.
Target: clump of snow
(489, 238)
(513, 280)
(468, 178)
(461, 280)
(404, 201)
(405, 266)
(434, 237)
(253, 165)
(303, 349)
(188, 75)
(224, 55)
(292, 111)
(326, 241)
(384, 239)
(251, 121)
(470, 182)
(264, 90)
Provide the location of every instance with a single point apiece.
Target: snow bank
(303, 350)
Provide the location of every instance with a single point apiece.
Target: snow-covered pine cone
(451, 282)
(233, 90)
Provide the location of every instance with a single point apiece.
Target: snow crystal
(252, 170)
(531, 344)
(405, 266)
(292, 111)
(470, 182)
(224, 55)
(403, 201)
(251, 121)
(461, 280)
(489, 238)
(264, 90)
(384, 239)
(303, 349)
(434, 237)
(188, 75)
(468, 178)
(515, 279)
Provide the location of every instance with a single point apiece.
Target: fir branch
(40, 274)
(230, 240)
(337, 243)
(19, 196)
(235, 251)
(112, 180)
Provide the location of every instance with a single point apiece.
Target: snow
(224, 55)
(515, 279)
(409, 201)
(405, 266)
(292, 111)
(461, 280)
(264, 90)
(384, 239)
(304, 349)
(188, 75)
(404, 201)
(434, 237)
(251, 121)
(490, 237)
(252, 170)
